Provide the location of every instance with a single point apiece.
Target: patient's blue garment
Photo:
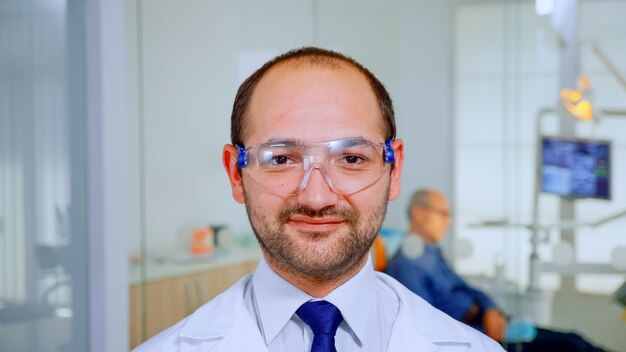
(430, 277)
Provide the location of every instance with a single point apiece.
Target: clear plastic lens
(348, 165)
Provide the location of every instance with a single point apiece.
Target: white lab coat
(225, 325)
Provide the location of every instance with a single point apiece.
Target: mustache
(349, 215)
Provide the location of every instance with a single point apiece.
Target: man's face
(316, 233)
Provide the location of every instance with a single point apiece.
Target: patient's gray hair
(421, 198)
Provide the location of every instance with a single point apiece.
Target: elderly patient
(429, 275)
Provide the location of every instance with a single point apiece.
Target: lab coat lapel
(223, 325)
(404, 336)
(420, 327)
(244, 336)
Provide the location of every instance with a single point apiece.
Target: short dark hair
(315, 57)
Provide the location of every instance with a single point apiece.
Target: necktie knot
(323, 318)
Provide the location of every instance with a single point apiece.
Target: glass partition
(468, 79)
(43, 286)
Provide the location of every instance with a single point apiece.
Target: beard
(317, 255)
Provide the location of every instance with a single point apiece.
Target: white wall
(503, 76)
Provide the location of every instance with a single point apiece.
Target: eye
(280, 160)
(353, 159)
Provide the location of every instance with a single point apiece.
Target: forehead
(313, 103)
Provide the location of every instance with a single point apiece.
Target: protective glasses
(285, 167)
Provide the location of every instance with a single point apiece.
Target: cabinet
(163, 300)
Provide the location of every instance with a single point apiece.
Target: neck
(415, 231)
(317, 287)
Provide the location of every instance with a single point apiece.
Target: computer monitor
(576, 167)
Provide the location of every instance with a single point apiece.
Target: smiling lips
(324, 224)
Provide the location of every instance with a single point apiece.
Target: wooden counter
(173, 287)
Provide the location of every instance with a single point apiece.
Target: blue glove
(520, 331)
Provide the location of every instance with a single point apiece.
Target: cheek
(444, 228)
(254, 195)
(370, 203)
(257, 197)
(436, 227)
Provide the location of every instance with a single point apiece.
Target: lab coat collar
(215, 321)
(423, 324)
(225, 324)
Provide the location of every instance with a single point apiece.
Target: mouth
(308, 224)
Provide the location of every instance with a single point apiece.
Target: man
(315, 160)
(426, 273)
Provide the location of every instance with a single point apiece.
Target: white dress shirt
(368, 307)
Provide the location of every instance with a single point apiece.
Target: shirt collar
(361, 286)
(432, 247)
(277, 299)
(427, 246)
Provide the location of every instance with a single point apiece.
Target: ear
(419, 217)
(229, 159)
(396, 173)
(416, 214)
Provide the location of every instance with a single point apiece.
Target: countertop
(163, 265)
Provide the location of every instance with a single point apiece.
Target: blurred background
(116, 218)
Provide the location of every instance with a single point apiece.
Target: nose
(317, 193)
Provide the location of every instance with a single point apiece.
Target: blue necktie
(323, 318)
